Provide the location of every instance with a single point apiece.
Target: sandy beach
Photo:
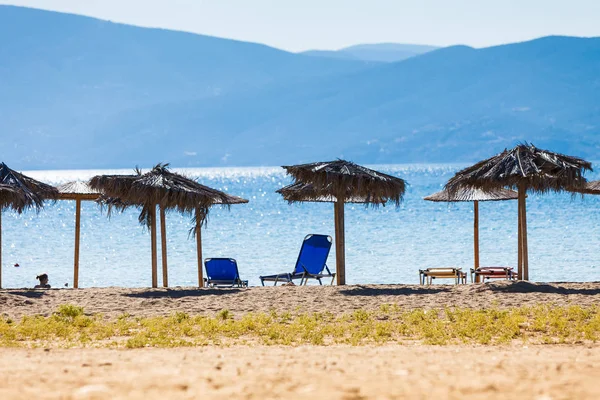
(388, 371)
(339, 372)
(336, 299)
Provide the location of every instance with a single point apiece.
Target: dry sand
(308, 372)
(147, 302)
(339, 372)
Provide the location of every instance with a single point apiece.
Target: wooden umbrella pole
(77, 236)
(519, 241)
(153, 244)
(335, 223)
(524, 237)
(519, 271)
(0, 248)
(163, 242)
(199, 246)
(476, 233)
(476, 236)
(340, 249)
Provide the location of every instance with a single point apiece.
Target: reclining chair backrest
(313, 254)
(221, 269)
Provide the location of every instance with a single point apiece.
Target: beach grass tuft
(69, 326)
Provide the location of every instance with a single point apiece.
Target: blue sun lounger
(222, 272)
(311, 262)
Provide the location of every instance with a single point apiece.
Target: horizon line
(368, 43)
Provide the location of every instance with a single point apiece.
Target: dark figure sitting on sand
(43, 278)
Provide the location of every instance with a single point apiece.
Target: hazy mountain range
(378, 52)
(78, 92)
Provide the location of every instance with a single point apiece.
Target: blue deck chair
(311, 262)
(222, 272)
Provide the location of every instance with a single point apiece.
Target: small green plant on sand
(69, 326)
(224, 314)
(69, 311)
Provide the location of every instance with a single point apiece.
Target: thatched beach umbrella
(341, 182)
(9, 196)
(20, 192)
(170, 191)
(77, 191)
(592, 187)
(474, 195)
(524, 168)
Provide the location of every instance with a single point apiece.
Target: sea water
(383, 245)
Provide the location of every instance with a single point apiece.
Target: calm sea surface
(385, 245)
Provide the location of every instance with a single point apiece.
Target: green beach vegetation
(70, 327)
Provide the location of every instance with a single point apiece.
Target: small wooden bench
(429, 274)
(482, 273)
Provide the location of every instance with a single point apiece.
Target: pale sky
(297, 25)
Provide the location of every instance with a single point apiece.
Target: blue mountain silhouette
(79, 92)
(376, 52)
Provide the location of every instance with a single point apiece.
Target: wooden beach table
(482, 273)
(429, 274)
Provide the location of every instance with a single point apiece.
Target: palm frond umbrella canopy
(526, 169)
(77, 191)
(168, 190)
(475, 196)
(302, 192)
(341, 182)
(592, 187)
(19, 193)
(9, 197)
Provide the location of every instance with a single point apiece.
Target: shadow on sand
(32, 294)
(180, 293)
(370, 290)
(532, 287)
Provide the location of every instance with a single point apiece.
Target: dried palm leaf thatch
(593, 186)
(169, 190)
(113, 204)
(589, 188)
(26, 192)
(174, 191)
(77, 190)
(109, 184)
(524, 166)
(473, 194)
(340, 178)
(106, 184)
(9, 197)
(162, 187)
(299, 192)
